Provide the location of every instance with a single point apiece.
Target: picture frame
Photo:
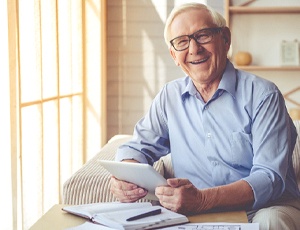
(290, 53)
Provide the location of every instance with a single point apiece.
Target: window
(53, 98)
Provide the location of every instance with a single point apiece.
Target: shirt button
(208, 135)
(214, 163)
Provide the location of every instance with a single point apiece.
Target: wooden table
(56, 219)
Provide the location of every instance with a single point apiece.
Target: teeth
(199, 61)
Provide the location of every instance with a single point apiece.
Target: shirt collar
(227, 83)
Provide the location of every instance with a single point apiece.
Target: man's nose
(195, 47)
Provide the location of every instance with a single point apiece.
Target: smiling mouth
(199, 61)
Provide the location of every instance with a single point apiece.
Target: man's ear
(173, 54)
(227, 37)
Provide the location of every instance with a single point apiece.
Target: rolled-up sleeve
(274, 138)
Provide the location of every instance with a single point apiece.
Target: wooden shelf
(269, 68)
(288, 11)
(263, 10)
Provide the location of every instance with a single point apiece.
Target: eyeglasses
(201, 37)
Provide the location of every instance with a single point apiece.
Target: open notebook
(115, 215)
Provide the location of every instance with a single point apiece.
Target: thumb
(177, 182)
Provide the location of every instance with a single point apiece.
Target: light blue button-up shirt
(242, 133)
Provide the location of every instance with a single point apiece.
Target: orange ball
(242, 58)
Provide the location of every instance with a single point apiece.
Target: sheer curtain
(53, 100)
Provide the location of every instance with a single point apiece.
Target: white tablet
(143, 175)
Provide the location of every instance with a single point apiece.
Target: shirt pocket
(241, 150)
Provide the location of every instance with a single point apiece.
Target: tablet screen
(143, 175)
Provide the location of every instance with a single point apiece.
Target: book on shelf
(117, 215)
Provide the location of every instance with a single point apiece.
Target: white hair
(217, 18)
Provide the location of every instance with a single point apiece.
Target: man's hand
(182, 196)
(126, 192)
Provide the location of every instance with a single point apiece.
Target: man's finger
(177, 182)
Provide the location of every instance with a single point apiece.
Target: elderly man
(228, 131)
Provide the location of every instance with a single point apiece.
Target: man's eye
(201, 37)
(182, 42)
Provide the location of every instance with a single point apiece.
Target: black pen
(140, 216)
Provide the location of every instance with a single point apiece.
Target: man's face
(203, 63)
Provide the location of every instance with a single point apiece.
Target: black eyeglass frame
(212, 32)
